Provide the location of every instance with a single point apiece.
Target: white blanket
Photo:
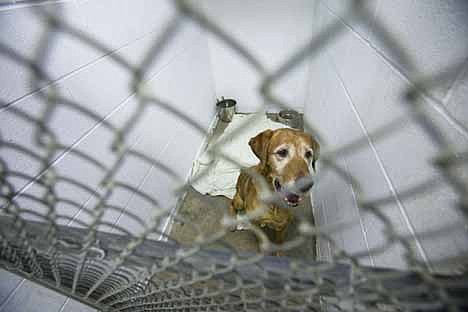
(220, 175)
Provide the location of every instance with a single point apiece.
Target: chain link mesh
(121, 271)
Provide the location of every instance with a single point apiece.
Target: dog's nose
(304, 184)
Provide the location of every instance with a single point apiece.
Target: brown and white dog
(287, 162)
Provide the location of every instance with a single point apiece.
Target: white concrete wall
(356, 86)
(181, 76)
(270, 31)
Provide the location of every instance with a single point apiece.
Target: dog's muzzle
(292, 195)
(304, 184)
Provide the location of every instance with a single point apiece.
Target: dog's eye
(308, 154)
(282, 153)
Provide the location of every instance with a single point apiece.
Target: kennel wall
(105, 104)
(93, 78)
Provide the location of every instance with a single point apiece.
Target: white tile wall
(181, 76)
(353, 18)
(30, 297)
(9, 282)
(432, 33)
(271, 31)
(356, 88)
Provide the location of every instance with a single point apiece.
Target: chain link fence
(120, 271)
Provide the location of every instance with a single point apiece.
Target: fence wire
(121, 271)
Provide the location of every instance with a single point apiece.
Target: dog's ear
(316, 148)
(259, 144)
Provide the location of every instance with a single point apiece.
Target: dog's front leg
(236, 210)
(279, 238)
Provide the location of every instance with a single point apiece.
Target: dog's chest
(275, 218)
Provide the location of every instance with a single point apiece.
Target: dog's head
(288, 161)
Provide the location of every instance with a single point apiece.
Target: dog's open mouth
(291, 199)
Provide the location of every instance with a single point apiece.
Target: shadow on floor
(205, 212)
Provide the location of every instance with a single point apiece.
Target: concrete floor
(206, 213)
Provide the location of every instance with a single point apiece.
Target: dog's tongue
(292, 198)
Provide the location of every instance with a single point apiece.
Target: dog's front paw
(279, 253)
(241, 224)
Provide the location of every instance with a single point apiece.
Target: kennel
(106, 107)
